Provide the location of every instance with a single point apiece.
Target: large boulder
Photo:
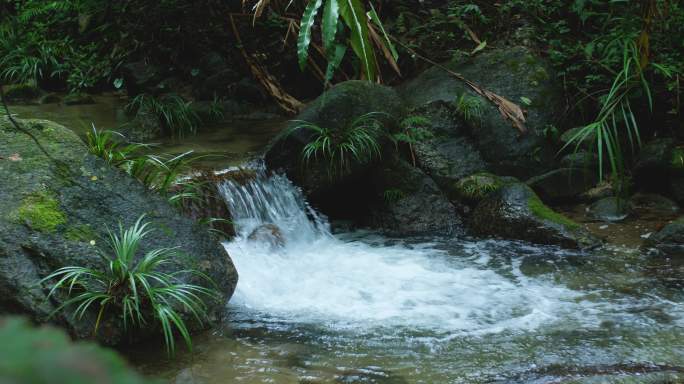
(512, 72)
(669, 241)
(55, 209)
(334, 110)
(515, 212)
(410, 203)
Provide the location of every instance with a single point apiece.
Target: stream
(357, 307)
(361, 308)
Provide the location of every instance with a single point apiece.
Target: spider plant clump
(111, 146)
(163, 174)
(135, 290)
(355, 144)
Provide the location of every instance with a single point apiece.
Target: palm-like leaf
(304, 38)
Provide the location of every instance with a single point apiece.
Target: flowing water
(361, 308)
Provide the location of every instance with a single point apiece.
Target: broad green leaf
(376, 19)
(304, 38)
(353, 14)
(331, 15)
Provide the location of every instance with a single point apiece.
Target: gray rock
(412, 202)
(514, 73)
(580, 160)
(669, 241)
(609, 209)
(447, 154)
(515, 212)
(564, 184)
(269, 234)
(652, 206)
(52, 210)
(140, 77)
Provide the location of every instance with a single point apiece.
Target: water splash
(347, 281)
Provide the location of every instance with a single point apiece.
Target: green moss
(542, 211)
(81, 233)
(166, 230)
(539, 75)
(41, 212)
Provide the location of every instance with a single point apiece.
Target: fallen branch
(508, 109)
(286, 101)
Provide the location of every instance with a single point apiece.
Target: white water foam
(323, 279)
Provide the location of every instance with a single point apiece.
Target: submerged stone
(610, 209)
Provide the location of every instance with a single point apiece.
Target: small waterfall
(362, 280)
(273, 200)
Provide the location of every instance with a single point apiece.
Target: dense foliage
(620, 62)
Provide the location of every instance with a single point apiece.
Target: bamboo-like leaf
(304, 38)
(388, 42)
(331, 15)
(334, 61)
(353, 14)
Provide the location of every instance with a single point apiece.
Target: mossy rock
(472, 189)
(21, 93)
(515, 212)
(515, 73)
(47, 355)
(55, 208)
(334, 110)
(78, 99)
(50, 98)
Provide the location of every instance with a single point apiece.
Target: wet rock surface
(55, 211)
(515, 212)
